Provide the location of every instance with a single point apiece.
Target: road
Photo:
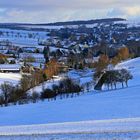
(127, 128)
(96, 136)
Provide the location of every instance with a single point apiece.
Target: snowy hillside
(133, 66)
(121, 105)
(106, 105)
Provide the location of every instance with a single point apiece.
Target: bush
(17, 94)
(34, 97)
(48, 94)
(67, 86)
(11, 94)
(6, 89)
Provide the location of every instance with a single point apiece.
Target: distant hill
(78, 22)
(84, 22)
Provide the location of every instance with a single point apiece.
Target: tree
(82, 39)
(73, 38)
(37, 50)
(48, 94)
(3, 59)
(17, 94)
(25, 82)
(6, 89)
(58, 44)
(115, 60)
(67, 86)
(102, 63)
(123, 53)
(112, 77)
(46, 53)
(52, 68)
(29, 59)
(125, 76)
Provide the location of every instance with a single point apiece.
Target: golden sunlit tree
(123, 53)
(52, 68)
(102, 63)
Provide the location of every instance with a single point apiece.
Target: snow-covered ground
(85, 127)
(13, 78)
(79, 76)
(133, 66)
(48, 84)
(27, 39)
(94, 112)
(96, 136)
(121, 103)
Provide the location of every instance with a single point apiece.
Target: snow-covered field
(97, 126)
(80, 77)
(133, 66)
(129, 128)
(121, 103)
(91, 136)
(14, 78)
(91, 112)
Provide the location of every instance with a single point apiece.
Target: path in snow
(84, 127)
(97, 136)
(128, 129)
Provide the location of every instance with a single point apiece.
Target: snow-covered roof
(35, 55)
(10, 66)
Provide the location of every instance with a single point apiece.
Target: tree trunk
(126, 82)
(122, 85)
(115, 85)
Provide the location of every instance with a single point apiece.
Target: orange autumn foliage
(102, 62)
(51, 68)
(123, 53)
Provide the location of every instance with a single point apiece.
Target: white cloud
(125, 12)
(61, 10)
(133, 11)
(45, 16)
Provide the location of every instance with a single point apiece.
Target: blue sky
(44, 11)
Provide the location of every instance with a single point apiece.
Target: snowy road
(97, 136)
(128, 128)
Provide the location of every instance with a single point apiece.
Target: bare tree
(6, 89)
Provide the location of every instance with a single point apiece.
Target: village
(78, 53)
(20, 50)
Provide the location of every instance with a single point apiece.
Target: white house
(10, 68)
(38, 57)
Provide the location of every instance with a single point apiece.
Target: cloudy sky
(44, 11)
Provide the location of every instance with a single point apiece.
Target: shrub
(48, 94)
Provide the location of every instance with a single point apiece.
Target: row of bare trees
(111, 78)
(18, 94)
(117, 76)
(66, 88)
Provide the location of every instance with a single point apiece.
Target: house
(29, 49)
(37, 57)
(5, 43)
(15, 68)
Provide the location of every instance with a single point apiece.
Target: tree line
(112, 77)
(19, 95)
